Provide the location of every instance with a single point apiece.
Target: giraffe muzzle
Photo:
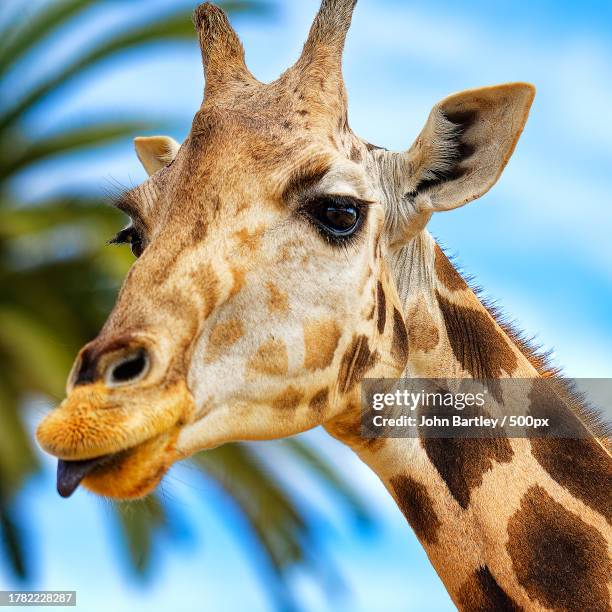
(117, 435)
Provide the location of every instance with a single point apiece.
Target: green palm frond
(139, 522)
(265, 504)
(18, 221)
(278, 525)
(17, 158)
(176, 27)
(16, 455)
(22, 35)
(330, 477)
(34, 350)
(11, 540)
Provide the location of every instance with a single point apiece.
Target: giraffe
(280, 260)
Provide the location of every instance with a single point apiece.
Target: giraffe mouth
(71, 473)
(131, 473)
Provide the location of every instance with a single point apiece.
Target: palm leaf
(175, 27)
(330, 477)
(139, 522)
(13, 160)
(36, 28)
(10, 17)
(37, 353)
(83, 288)
(278, 526)
(18, 221)
(267, 507)
(16, 456)
(11, 539)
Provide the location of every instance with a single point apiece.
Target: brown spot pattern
(348, 427)
(423, 334)
(238, 278)
(278, 301)
(561, 561)
(357, 360)
(248, 239)
(399, 342)
(292, 250)
(381, 304)
(417, 506)
(321, 339)
(289, 399)
(446, 273)
(582, 466)
(462, 462)
(477, 344)
(208, 283)
(481, 593)
(271, 358)
(320, 400)
(223, 336)
(570, 455)
(198, 231)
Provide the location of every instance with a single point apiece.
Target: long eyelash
(122, 199)
(118, 196)
(337, 199)
(126, 204)
(114, 189)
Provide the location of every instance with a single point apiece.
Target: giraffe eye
(337, 216)
(130, 235)
(136, 245)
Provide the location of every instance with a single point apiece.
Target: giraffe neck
(507, 523)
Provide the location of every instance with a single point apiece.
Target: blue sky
(539, 242)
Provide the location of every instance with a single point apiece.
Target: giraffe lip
(71, 473)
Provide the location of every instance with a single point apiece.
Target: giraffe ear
(465, 145)
(155, 152)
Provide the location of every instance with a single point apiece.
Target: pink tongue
(71, 473)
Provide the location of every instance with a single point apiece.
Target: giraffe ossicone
(281, 260)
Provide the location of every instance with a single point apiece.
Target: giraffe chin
(135, 472)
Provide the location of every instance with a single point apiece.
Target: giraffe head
(260, 295)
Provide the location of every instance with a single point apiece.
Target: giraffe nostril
(128, 369)
(86, 370)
